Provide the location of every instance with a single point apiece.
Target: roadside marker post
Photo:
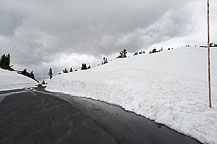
(209, 73)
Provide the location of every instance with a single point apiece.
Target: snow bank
(169, 87)
(12, 80)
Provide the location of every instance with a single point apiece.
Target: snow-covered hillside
(12, 80)
(169, 87)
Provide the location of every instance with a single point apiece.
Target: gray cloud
(38, 33)
(10, 21)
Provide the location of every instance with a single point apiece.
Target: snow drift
(169, 87)
(12, 80)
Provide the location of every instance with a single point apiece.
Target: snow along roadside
(168, 96)
(10, 80)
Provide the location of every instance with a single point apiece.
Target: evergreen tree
(2, 62)
(123, 54)
(70, 70)
(136, 53)
(43, 82)
(5, 62)
(28, 74)
(24, 71)
(153, 51)
(105, 60)
(83, 66)
(89, 67)
(32, 75)
(65, 71)
(8, 60)
(50, 73)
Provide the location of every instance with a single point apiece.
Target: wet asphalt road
(30, 117)
(35, 116)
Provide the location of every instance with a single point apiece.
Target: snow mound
(12, 80)
(169, 87)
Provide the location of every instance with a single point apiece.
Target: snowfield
(169, 87)
(12, 80)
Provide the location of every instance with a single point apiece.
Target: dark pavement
(35, 116)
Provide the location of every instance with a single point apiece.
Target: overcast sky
(64, 33)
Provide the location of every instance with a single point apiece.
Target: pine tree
(50, 73)
(83, 66)
(32, 75)
(153, 51)
(105, 60)
(8, 60)
(5, 62)
(136, 53)
(123, 54)
(2, 62)
(70, 70)
(43, 82)
(24, 72)
(89, 67)
(65, 71)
